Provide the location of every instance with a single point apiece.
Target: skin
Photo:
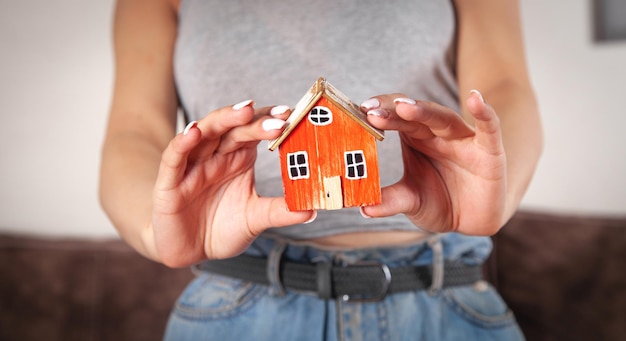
(182, 198)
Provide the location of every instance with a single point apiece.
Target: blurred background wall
(55, 86)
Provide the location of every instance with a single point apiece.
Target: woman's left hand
(455, 174)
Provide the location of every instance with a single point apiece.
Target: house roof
(320, 89)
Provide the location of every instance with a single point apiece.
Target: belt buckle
(374, 298)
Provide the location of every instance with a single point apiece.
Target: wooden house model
(328, 153)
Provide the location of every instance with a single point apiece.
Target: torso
(272, 51)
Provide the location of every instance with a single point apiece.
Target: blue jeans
(214, 307)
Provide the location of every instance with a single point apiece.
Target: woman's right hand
(205, 205)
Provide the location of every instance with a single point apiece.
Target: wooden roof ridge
(323, 88)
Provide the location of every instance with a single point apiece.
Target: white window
(298, 165)
(320, 116)
(355, 165)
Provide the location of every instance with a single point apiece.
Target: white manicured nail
(477, 93)
(279, 110)
(404, 100)
(312, 219)
(189, 126)
(272, 124)
(379, 113)
(242, 105)
(363, 213)
(370, 104)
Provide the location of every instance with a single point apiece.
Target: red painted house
(328, 153)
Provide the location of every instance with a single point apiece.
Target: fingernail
(312, 219)
(477, 93)
(242, 105)
(379, 113)
(363, 213)
(404, 100)
(279, 110)
(189, 126)
(272, 124)
(370, 104)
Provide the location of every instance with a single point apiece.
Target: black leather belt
(367, 281)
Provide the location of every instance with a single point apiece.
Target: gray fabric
(273, 51)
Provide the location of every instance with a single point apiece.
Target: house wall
(56, 81)
(326, 146)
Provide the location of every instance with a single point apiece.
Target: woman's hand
(204, 201)
(455, 175)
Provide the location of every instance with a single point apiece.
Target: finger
(394, 201)
(174, 158)
(264, 126)
(220, 121)
(414, 115)
(279, 111)
(442, 121)
(269, 212)
(382, 115)
(487, 123)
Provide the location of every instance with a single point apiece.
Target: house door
(333, 196)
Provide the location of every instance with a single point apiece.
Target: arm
(179, 198)
(467, 174)
(142, 118)
(491, 58)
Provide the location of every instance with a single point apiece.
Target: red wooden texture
(301, 194)
(326, 146)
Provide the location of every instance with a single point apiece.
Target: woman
(454, 172)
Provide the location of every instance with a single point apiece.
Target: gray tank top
(272, 51)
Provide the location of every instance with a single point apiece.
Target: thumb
(396, 199)
(272, 212)
(487, 123)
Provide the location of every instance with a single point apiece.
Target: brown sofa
(564, 276)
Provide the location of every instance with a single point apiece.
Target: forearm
(128, 173)
(142, 118)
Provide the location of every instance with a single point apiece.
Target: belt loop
(276, 288)
(324, 280)
(438, 268)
